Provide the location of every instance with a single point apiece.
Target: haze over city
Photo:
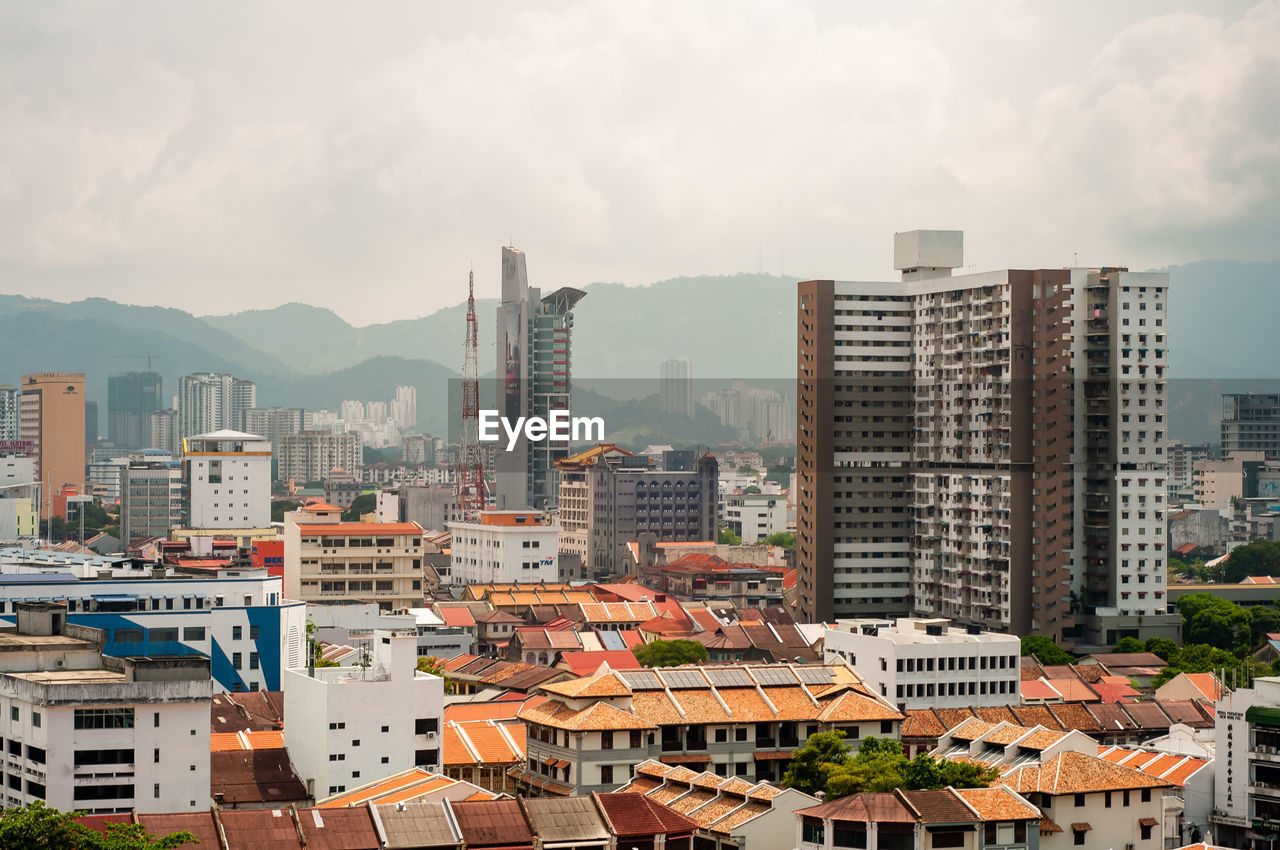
(353, 158)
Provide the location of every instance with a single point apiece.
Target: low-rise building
(744, 721)
(335, 737)
(91, 732)
(325, 558)
(228, 478)
(754, 516)
(504, 546)
(928, 663)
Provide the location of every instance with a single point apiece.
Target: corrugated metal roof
(415, 825)
(557, 819)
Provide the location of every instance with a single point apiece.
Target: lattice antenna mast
(470, 474)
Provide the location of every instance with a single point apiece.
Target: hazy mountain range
(1222, 338)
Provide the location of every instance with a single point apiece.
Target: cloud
(240, 156)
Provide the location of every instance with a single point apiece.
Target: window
(1080, 834)
(237, 660)
(1146, 831)
(193, 633)
(35, 719)
(355, 742)
(606, 739)
(236, 632)
(1126, 798)
(253, 633)
(386, 728)
(423, 725)
(722, 735)
(253, 661)
(948, 839)
(636, 739)
(606, 774)
(1079, 801)
(1146, 795)
(103, 792)
(423, 758)
(96, 757)
(128, 635)
(1107, 800)
(740, 733)
(163, 635)
(102, 718)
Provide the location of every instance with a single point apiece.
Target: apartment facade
(51, 420)
(210, 401)
(328, 559)
(961, 437)
(534, 365)
(150, 499)
(228, 479)
(917, 663)
(312, 455)
(97, 733)
(8, 412)
(352, 725)
(504, 547)
(1251, 423)
(131, 399)
(754, 516)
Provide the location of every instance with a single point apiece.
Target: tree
(826, 764)
(809, 768)
(728, 538)
(279, 509)
(784, 539)
(1163, 647)
(1046, 650)
(671, 653)
(1216, 621)
(1259, 558)
(1130, 644)
(39, 826)
(363, 504)
(435, 666)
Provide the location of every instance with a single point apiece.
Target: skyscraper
(984, 447)
(534, 374)
(8, 412)
(675, 386)
(1250, 423)
(51, 417)
(131, 399)
(208, 401)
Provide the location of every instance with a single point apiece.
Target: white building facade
(228, 475)
(352, 725)
(919, 663)
(754, 516)
(505, 547)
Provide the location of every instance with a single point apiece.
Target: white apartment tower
(209, 401)
(228, 475)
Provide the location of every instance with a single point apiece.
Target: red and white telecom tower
(470, 491)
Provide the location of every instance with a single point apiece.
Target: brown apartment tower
(937, 467)
(51, 418)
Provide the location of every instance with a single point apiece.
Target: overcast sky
(226, 156)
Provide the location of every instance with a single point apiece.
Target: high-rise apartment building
(404, 409)
(986, 448)
(1251, 423)
(164, 431)
(150, 499)
(276, 423)
(51, 418)
(534, 373)
(228, 478)
(675, 386)
(312, 455)
(131, 399)
(209, 402)
(8, 412)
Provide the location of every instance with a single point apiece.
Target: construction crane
(149, 356)
(469, 484)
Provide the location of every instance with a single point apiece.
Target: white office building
(754, 516)
(918, 663)
(352, 725)
(228, 475)
(95, 733)
(505, 547)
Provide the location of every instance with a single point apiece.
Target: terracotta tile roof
(741, 815)
(1004, 735)
(1041, 739)
(1207, 684)
(995, 714)
(596, 716)
(1129, 659)
(259, 829)
(1148, 716)
(997, 804)
(1030, 669)
(653, 768)
(850, 706)
(361, 529)
(1048, 827)
(1073, 690)
(862, 808)
(483, 742)
(492, 822)
(636, 815)
(585, 663)
(457, 616)
(1077, 773)
(953, 717)
(1172, 768)
(971, 730)
(1111, 717)
(500, 709)
(1116, 691)
(254, 776)
(1035, 715)
(1038, 689)
(1090, 673)
(337, 829)
(688, 802)
(1187, 712)
(1074, 716)
(938, 806)
(922, 723)
(603, 685)
(641, 784)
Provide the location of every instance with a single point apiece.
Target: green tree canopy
(1163, 647)
(729, 538)
(41, 827)
(1130, 644)
(1046, 650)
(671, 653)
(1259, 558)
(826, 763)
(1216, 621)
(363, 504)
(785, 539)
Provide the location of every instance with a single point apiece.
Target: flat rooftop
(72, 677)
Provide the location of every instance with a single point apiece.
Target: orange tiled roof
(997, 804)
(483, 742)
(1077, 773)
(596, 716)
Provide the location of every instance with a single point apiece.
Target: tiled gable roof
(1077, 773)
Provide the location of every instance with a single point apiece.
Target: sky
(221, 157)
